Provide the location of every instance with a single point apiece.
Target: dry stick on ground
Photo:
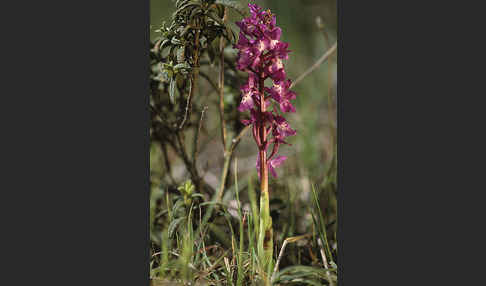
(286, 241)
(324, 261)
(316, 64)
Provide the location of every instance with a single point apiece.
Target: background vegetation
(197, 241)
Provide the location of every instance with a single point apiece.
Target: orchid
(260, 53)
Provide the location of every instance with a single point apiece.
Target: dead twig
(282, 249)
(195, 75)
(315, 65)
(211, 82)
(196, 137)
(238, 137)
(221, 84)
(324, 261)
(227, 159)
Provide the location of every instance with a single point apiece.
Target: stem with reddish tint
(263, 138)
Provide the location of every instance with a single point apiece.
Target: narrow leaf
(173, 225)
(172, 90)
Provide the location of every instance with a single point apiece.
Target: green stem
(265, 236)
(224, 174)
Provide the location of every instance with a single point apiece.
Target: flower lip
(282, 127)
(274, 163)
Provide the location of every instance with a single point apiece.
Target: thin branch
(157, 112)
(182, 152)
(191, 168)
(224, 174)
(330, 104)
(227, 153)
(316, 64)
(227, 159)
(211, 82)
(196, 137)
(237, 139)
(221, 85)
(178, 146)
(193, 81)
(188, 103)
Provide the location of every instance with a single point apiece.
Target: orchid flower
(261, 54)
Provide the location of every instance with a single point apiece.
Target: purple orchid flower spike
(261, 54)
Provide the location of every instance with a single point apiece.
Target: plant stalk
(265, 236)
